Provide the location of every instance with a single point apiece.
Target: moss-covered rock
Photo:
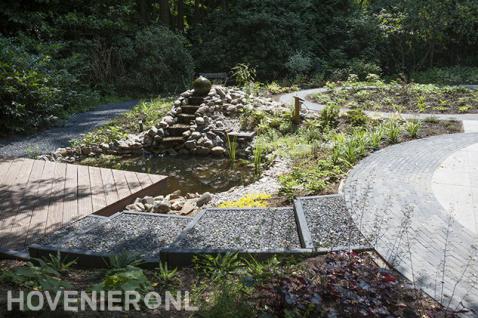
(201, 86)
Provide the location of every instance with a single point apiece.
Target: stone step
(94, 239)
(177, 130)
(258, 231)
(195, 101)
(170, 142)
(189, 109)
(185, 118)
(242, 135)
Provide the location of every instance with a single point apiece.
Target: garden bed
(402, 98)
(333, 285)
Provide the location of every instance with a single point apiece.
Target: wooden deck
(37, 197)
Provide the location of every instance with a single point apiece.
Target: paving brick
(397, 181)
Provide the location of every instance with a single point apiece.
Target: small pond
(189, 174)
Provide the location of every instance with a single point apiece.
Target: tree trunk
(164, 12)
(144, 8)
(180, 15)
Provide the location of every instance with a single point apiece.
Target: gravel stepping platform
(140, 234)
(72, 231)
(329, 222)
(242, 229)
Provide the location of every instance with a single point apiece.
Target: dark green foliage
(447, 75)
(329, 116)
(269, 35)
(34, 88)
(40, 277)
(157, 61)
(356, 117)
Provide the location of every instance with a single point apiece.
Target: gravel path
(51, 139)
(329, 222)
(137, 234)
(243, 229)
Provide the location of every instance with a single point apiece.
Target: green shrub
(356, 117)
(299, 63)
(41, 277)
(447, 75)
(158, 61)
(413, 127)
(33, 91)
(243, 74)
(309, 177)
(130, 278)
(393, 131)
(329, 116)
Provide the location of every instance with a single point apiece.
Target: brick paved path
(391, 198)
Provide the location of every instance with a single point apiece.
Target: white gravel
(137, 234)
(329, 222)
(243, 229)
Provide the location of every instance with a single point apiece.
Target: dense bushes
(159, 62)
(33, 89)
(447, 75)
(337, 37)
(278, 38)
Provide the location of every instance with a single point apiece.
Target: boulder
(200, 121)
(220, 92)
(148, 200)
(190, 144)
(202, 151)
(162, 207)
(169, 120)
(153, 132)
(204, 199)
(196, 135)
(218, 151)
(187, 208)
(175, 195)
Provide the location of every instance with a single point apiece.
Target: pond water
(189, 174)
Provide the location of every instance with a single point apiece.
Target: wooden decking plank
(144, 179)
(111, 193)
(18, 181)
(70, 200)
(8, 191)
(85, 204)
(97, 189)
(56, 206)
(156, 177)
(4, 185)
(37, 197)
(4, 167)
(22, 219)
(133, 181)
(40, 211)
(121, 183)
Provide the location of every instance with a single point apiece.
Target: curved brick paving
(391, 199)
